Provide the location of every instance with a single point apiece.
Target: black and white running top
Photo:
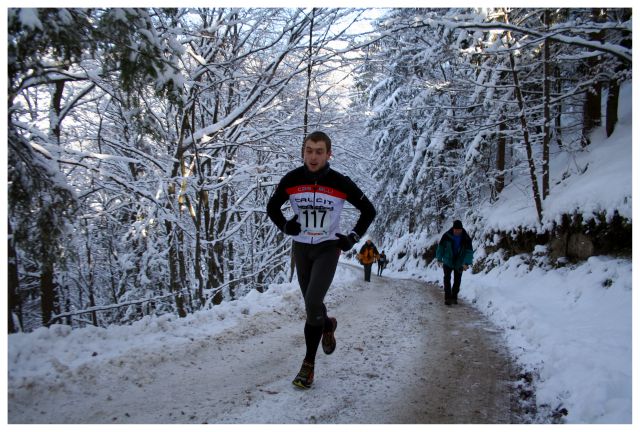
(318, 199)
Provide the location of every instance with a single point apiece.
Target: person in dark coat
(382, 263)
(455, 254)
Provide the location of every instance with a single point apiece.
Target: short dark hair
(318, 136)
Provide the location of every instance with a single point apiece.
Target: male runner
(317, 194)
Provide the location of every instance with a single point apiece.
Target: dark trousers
(449, 293)
(367, 272)
(315, 265)
(380, 268)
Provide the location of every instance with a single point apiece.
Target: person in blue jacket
(455, 254)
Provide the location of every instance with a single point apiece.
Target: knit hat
(457, 224)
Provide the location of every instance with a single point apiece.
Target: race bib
(315, 222)
(318, 208)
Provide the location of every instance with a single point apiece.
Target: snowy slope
(587, 181)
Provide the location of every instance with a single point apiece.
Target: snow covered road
(402, 357)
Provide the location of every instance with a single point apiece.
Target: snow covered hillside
(572, 326)
(587, 181)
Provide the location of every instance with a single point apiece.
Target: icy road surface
(402, 357)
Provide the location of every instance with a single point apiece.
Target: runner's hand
(292, 226)
(346, 242)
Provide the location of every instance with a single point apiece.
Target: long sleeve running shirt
(318, 200)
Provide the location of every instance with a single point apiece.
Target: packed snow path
(402, 357)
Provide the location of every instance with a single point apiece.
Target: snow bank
(54, 352)
(42, 353)
(572, 326)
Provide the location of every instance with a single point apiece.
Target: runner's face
(315, 155)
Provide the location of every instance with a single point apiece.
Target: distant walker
(382, 263)
(367, 256)
(455, 253)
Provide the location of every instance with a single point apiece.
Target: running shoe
(328, 339)
(304, 379)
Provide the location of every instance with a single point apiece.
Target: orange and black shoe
(328, 338)
(304, 379)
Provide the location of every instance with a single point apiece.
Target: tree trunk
(218, 248)
(292, 265)
(592, 113)
(547, 111)
(527, 141)
(525, 130)
(174, 283)
(48, 293)
(92, 303)
(92, 298)
(558, 113)
(501, 159)
(233, 286)
(614, 87)
(112, 277)
(15, 300)
(612, 106)
(182, 264)
(214, 263)
(56, 101)
(197, 265)
(48, 296)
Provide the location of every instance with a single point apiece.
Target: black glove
(292, 226)
(346, 242)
